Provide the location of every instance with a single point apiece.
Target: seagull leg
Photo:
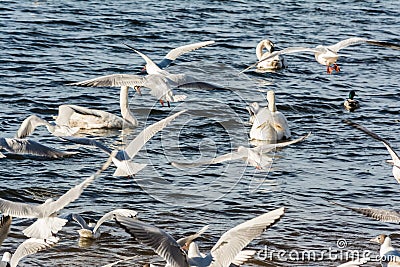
(336, 67)
(137, 88)
(161, 102)
(169, 105)
(258, 167)
(329, 69)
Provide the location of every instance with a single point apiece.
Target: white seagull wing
(17, 209)
(226, 157)
(234, 240)
(187, 240)
(176, 52)
(151, 67)
(355, 263)
(358, 40)
(25, 146)
(72, 194)
(112, 214)
(133, 148)
(31, 246)
(87, 142)
(113, 80)
(392, 153)
(29, 125)
(377, 214)
(288, 50)
(269, 147)
(157, 239)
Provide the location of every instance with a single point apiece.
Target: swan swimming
(252, 156)
(395, 161)
(28, 247)
(47, 223)
(269, 124)
(30, 123)
(85, 118)
(328, 55)
(350, 103)
(123, 158)
(274, 63)
(91, 230)
(176, 52)
(223, 253)
(30, 147)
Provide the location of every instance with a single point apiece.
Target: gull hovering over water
(176, 52)
(28, 247)
(223, 253)
(30, 147)
(85, 118)
(91, 230)
(47, 223)
(123, 158)
(29, 125)
(275, 63)
(395, 161)
(327, 55)
(252, 156)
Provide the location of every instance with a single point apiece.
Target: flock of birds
(269, 126)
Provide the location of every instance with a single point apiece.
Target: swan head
(352, 94)
(271, 100)
(269, 45)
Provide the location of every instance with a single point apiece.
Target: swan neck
(271, 103)
(124, 105)
(259, 50)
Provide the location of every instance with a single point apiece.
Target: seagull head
(379, 239)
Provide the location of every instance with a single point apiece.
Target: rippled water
(46, 44)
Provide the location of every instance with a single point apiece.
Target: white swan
(47, 223)
(252, 156)
(123, 159)
(28, 247)
(85, 118)
(29, 125)
(30, 147)
(327, 55)
(176, 52)
(223, 253)
(269, 124)
(388, 254)
(350, 103)
(274, 63)
(395, 161)
(90, 229)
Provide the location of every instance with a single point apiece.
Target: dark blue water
(46, 44)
